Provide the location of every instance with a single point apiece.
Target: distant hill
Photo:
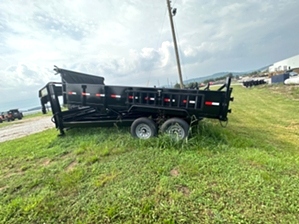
(216, 75)
(35, 108)
(262, 69)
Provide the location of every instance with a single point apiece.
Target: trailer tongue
(92, 103)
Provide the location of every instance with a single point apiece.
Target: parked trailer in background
(92, 103)
(251, 83)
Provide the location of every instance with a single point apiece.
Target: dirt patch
(25, 127)
(3, 188)
(210, 213)
(46, 162)
(184, 190)
(293, 126)
(71, 166)
(174, 172)
(13, 174)
(64, 155)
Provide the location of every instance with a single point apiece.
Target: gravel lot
(21, 128)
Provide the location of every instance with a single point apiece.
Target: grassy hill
(244, 173)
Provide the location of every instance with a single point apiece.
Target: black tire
(143, 128)
(176, 128)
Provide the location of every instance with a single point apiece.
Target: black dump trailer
(92, 103)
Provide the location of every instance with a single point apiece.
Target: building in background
(284, 65)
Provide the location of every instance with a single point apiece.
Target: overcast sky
(129, 42)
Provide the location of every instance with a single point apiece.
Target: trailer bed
(92, 103)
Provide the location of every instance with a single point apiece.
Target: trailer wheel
(143, 128)
(176, 128)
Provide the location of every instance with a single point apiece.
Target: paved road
(21, 128)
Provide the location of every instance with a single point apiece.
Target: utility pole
(171, 14)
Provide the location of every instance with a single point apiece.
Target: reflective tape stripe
(115, 96)
(72, 93)
(131, 97)
(151, 98)
(85, 94)
(100, 95)
(168, 100)
(190, 101)
(209, 103)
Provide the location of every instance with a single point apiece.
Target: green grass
(244, 173)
